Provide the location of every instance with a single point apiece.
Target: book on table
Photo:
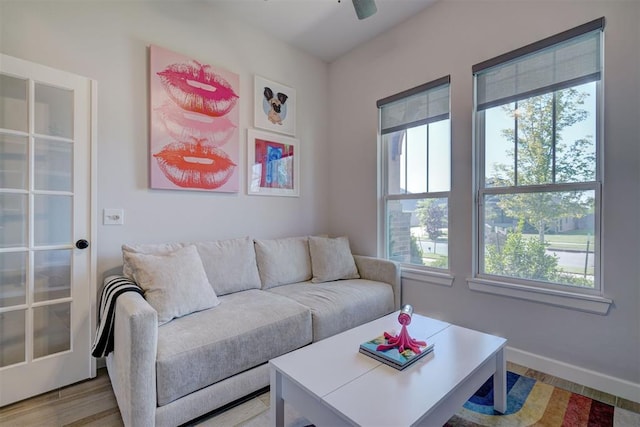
(393, 357)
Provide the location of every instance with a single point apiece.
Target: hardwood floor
(88, 403)
(92, 403)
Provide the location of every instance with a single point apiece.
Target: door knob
(82, 244)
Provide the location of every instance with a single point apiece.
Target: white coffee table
(331, 384)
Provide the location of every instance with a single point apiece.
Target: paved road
(573, 259)
(441, 248)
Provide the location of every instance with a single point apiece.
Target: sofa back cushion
(283, 261)
(331, 259)
(230, 265)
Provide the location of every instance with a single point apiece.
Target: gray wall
(108, 41)
(448, 38)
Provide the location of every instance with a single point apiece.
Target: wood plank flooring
(88, 403)
(92, 403)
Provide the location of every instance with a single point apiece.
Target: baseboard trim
(101, 363)
(612, 385)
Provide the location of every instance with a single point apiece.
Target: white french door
(47, 260)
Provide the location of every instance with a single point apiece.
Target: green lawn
(576, 242)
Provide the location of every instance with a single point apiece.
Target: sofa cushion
(149, 249)
(230, 264)
(283, 261)
(342, 305)
(247, 329)
(174, 284)
(331, 259)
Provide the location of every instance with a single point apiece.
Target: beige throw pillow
(174, 284)
(149, 249)
(331, 259)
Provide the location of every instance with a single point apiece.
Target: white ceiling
(326, 29)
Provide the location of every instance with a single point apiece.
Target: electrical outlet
(113, 217)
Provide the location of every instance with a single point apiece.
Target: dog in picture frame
(275, 106)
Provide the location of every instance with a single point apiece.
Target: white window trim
(439, 277)
(583, 302)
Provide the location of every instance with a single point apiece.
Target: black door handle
(82, 244)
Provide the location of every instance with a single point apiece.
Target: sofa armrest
(381, 270)
(132, 364)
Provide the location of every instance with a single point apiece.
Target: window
(415, 134)
(537, 141)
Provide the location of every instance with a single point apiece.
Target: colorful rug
(532, 403)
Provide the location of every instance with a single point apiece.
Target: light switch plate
(113, 217)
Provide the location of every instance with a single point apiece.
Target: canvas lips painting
(194, 124)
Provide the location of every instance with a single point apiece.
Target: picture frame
(274, 106)
(273, 164)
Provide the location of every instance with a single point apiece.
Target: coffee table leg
(500, 383)
(276, 400)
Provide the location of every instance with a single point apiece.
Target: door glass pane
(52, 219)
(51, 329)
(53, 111)
(13, 162)
(13, 225)
(13, 103)
(52, 274)
(53, 162)
(13, 278)
(12, 337)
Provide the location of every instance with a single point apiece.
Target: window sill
(589, 303)
(427, 276)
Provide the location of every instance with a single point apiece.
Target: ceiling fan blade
(364, 8)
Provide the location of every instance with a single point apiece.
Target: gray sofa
(271, 297)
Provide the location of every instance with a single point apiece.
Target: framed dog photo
(274, 106)
(273, 164)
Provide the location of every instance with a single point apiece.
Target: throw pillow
(331, 259)
(174, 284)
(283, 261)
(149, 249)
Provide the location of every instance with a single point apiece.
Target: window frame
(435, 275)
(586, 299)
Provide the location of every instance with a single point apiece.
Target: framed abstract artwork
(273, 164)
(194, 137)
(274, 106)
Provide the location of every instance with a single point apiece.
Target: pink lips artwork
(193, 116)
(195, 165)
(181, 124)
(195, 87)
